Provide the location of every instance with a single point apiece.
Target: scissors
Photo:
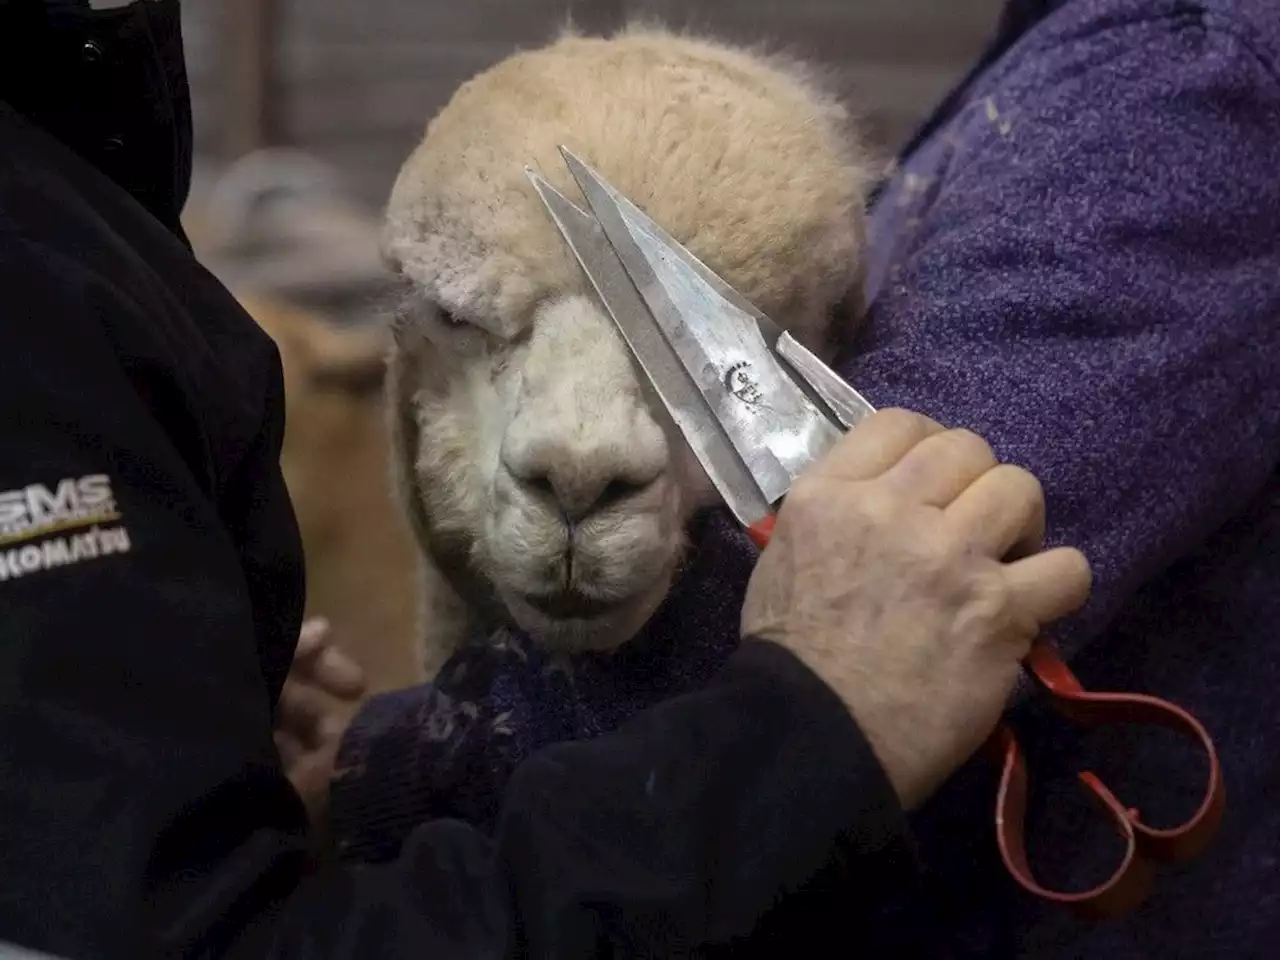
(757, 408)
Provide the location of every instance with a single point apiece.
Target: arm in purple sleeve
(1091, 280)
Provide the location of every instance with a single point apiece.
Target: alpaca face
(542, 477)
(546, 468)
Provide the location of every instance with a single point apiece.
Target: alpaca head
(541, 475)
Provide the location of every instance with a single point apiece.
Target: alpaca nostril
(577, 500)
(577, 495)
(537, 486)
(540, 485)
(618, 491)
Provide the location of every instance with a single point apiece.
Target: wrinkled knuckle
(939, 554)
(805, 488)
(994, 605)
(878, 504)
(1026, 483)
(907, 421)
(999, 593)
(896, 415)
(808, 495)
(971, 444)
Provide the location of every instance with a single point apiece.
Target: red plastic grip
(761, 531)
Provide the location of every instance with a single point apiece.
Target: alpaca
(542, 479)
(361, 561)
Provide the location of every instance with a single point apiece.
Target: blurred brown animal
(363, 571)
(279, 231)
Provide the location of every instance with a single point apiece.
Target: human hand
(906, 569)
(318, 699)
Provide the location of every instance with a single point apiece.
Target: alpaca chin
(607, 630)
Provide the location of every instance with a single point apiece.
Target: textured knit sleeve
(1087, 272)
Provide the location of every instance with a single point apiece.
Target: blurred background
(352, 83)
(355, 81)
(304, 110)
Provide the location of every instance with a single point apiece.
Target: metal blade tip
(578, 167)
(545, 189)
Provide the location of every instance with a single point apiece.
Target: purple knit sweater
(1079, 258)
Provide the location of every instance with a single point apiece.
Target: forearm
(742, 809)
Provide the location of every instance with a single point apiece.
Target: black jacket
(151, 590)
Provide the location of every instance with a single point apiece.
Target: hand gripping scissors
(757, 408)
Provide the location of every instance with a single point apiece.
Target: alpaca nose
(580, 485)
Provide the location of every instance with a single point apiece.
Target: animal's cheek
(509, 503)
(482, 414)
(447, 481)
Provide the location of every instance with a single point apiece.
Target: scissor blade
(845, 403)
(678, 393)
(823, 384)
(776, 429)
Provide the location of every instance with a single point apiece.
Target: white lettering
(56, 552)
(71, 502)
(13, 508)
(63, 551)
(45, 505)
(94, 492)
(85, 545)
(115, 541)
(75, 507)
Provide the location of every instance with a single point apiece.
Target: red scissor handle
(762, 530)
(1130, 882)
(1144, 845)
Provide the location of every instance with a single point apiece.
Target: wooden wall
(358, 79)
